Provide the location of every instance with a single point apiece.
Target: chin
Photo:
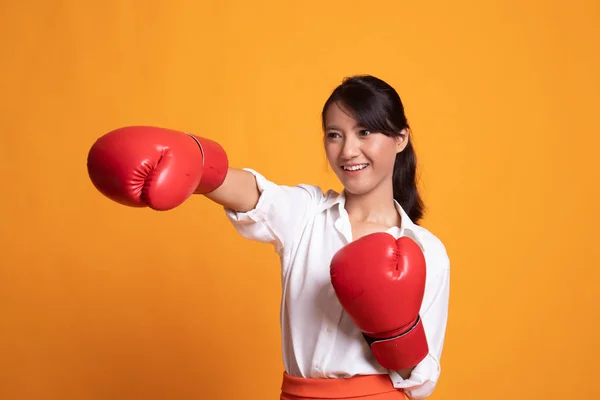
(357, 185)
(356, 189)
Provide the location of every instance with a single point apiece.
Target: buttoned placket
(336, 312)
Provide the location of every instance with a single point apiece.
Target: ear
(402, 140)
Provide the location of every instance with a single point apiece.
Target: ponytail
(404, 181)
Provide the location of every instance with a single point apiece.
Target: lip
(352, 165)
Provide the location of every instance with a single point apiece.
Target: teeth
(355, 167)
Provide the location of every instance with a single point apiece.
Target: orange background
(100, 301)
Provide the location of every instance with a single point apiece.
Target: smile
(356, 167)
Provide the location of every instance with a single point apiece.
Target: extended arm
(144, 166)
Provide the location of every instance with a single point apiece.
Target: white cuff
(422, 380)
(253, 224)
(254, 214)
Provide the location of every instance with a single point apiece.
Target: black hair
(378, 107)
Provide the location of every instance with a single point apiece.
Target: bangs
(367, 106)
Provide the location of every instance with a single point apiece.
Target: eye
(333, 135)
(364, 132)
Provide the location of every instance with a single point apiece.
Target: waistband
(340, 388)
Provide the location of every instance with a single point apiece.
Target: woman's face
(360, 158)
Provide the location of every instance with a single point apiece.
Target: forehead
(337, 115)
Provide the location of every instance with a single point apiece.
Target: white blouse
(319, 340)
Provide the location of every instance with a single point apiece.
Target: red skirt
(363, 387)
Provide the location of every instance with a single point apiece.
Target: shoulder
(300, 192)
(315, 192)
(433, 248)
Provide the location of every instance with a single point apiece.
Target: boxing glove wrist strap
(215, 165)
(402, 351)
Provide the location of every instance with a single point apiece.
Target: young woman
(365, 288)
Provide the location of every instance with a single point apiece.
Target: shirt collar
(407, 227)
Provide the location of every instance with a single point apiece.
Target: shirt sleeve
(434, 315)
(279, 215)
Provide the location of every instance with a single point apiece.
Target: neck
(374, 207)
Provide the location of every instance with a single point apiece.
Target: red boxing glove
(380, 282)
(141, 166)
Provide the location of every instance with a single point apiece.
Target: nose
(350, 148)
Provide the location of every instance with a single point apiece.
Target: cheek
(330, 152)
(383, 152)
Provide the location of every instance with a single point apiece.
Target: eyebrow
(335, 127)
